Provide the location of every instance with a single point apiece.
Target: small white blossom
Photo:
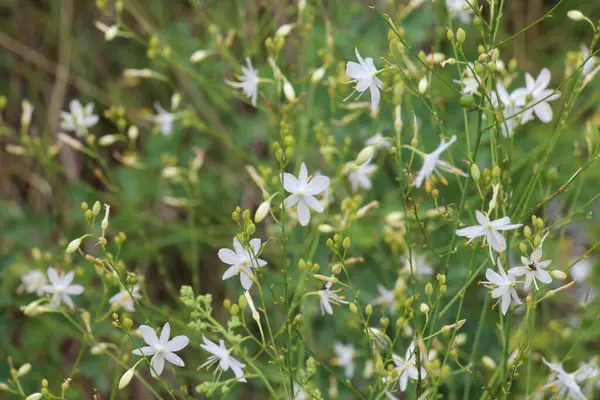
(533, 269)
(161, 349)
(221, 355)
(588, 65)
(302, 191)
(536, 92)
(78, 119)
(327, 296)
(125, 300)
(163, 119)
(489, 230)
(359, 176)
(34, 282)
(431, 163)
(386, 297)
(469, 82)
(61, 289)
(510, 111)
(563, 384)
(503, 286)
(248, 82)
(344, 357)
(242, 261)
(460, 9)
(379, 141)
(407, 366)
(420, 267)
(365, 74)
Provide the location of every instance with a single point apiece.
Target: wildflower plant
(436, 239)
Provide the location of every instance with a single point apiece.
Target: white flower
(420, 267)
(365, 74)
(60, 287)
(380, 142)
(503, 286)
(241, 261)
(302, 191)
(533, 268)
(431, 163)
(469, 83)
(326, 296)
(509, 109)
(407, 366)
(589, 65)
(564, 384)
(248, 82)
(78, 119)
(299, 394)
(344, 355)
(221, 354)
(163, 119)
(386, 297)
(489, 230)
(161, 349)
(460, 9)
(34, 282)
(359, 176)
(536, 92)
(581, 270)
(125, 300)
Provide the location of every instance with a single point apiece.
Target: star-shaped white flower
(489, 230)
(432, 162)
(328, 297)
(242, 261)
(379, 141)
(221, 355)
(34, 282)
(78, 119)
(460, 9)
(248, 82)
(563, 384)
(536, 92)
(344, 357)
(503, 286)
(509, 109)
(161, 349)
(163, 119)
(469, 82)
(533, 269)
(386, 297)
(302, 191)
(61, 289)
(125, 300)
(359, 176)
(407, 366)
(365, 74)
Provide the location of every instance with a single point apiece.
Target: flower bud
(108, 140)
(575, 15)
(73, 246)
(317, 75)
(3, 387)
(353, 308)
(475, 172)
(527, 232)
(346, 243)
(200, 55)
(369, 310)
(24, 370)
(35, 396)
(523, 247)
(450, 35)
(467, 100)
(126, 378)
(557, 274)
(365, 155)
(288, 91)
(488, 362)
(262, 211)
(235, 309)
(424, 308)
(336, 269)
(429, 289)
(461, 35)
(423, 85)
(284, 30)
(537, 240)
(104, 223)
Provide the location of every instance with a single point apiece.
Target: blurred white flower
(489, 230)
(241, 261)
(200, 55)
(359, 176)
(469, 82)
(420, 266)
(365, 74)
(509, 109)
(78, 119)
(503, 286)
(588, 65)
(302, 191)
(386, 297)
(125, 300)
(379, 141)
(460, 9)
(327, 296)
(431, 163)
(344, 357)
(563, 384)
(221, 355)
(34, 282)
(61, 289)
(248, 82)
(533, 268)
(536, 92)
(161, 349)
(581, 270)
(163, 119)
(407, 366)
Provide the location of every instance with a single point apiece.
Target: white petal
(481, 218)
(496, 240)
(543, 79)
(68, 278)
(543, 111)
(231, 271)
(543, 276)
(173, 359)
(245, 278)
(505, 302)
(165, 333)
(317, 185)
(375, 96)
(291, 200)
(471, 231)
(74, 289)
(144, 351)
(237, 246)
(178, 343)
(228, 256)
(255, 245)
(303, 174)
(313, 203)
(158, 364)
(149, 335)
(53, 276)
(290, 183)
(303, 212)
(494, 277)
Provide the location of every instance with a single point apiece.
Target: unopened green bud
(461, 35)
(369, 310)
(73, 246)
(353, 308)
(475, 172)
(527, 231)
(429, 289)
(537, 240)
(234, 309)
(365, 155)
(450, 35)
(84, 206)
(384, 321)
(250, 229)
(346, 243)
(127, 323)
(424, 308)
(552, 174)
(523, 248)
(467, 100)
(496, 172)
(443, 289)
(96, 208)
(557, 274)
(336, 269)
